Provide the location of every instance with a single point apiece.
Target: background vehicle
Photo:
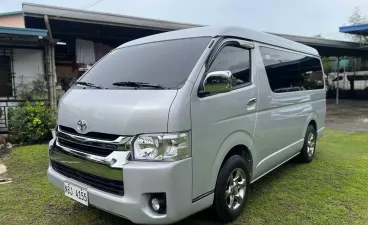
(171, 124)
(360, 81)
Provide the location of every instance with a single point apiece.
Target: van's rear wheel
(309, 148)
(231, 192)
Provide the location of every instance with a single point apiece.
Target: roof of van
(214, 31)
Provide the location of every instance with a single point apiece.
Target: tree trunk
(352, 79)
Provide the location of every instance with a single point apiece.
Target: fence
(5, 105)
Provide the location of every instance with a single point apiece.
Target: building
(21, 63)
(12, 19)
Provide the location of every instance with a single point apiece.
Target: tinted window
(282, 70)
(236, 60)
(311, 72)
(357, 77)
(167, 63)
(335, 79)
(288, 72)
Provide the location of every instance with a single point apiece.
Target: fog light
(158, 202)
(155, 204)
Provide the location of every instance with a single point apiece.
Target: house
(21, 61)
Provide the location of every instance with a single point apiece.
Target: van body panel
(216, 123)
(225, 31)
(214, 119)
(282, 120)
(121, 112)
(179, 116)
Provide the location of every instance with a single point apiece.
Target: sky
(297, 17)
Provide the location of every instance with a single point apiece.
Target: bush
(32, 121)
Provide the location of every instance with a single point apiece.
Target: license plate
(76, 192)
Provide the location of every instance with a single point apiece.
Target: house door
(5, 77)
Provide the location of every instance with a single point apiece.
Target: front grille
(103, 184)
(84, 148)
(102, 136)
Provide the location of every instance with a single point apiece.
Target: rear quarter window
(290, 72)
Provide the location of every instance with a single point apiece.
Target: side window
(340, 78)
(282, 70)
(311, 73)
(236, 60)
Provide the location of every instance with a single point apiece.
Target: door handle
(252, 101)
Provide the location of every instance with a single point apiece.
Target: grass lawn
(333, 189)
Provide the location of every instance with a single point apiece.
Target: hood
(121, 112)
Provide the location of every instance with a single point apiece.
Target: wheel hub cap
(311, 143)
(235, 189)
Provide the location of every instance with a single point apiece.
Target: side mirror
(218, 82)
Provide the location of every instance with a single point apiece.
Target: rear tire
(232, 188)
(309, 148)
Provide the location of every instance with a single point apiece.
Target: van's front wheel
(231, 192)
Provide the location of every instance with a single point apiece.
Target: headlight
(162, 147)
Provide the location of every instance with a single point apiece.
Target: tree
(357, 18)
(318, 36)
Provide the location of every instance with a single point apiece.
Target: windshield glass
(165, 63)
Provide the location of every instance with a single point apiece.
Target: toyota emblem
(82, 125)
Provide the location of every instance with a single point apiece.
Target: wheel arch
(237, 143)
(312, 120)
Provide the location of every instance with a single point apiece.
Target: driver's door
(215, 117)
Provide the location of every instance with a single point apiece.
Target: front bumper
(141, 179)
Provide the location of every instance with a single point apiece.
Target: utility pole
(338, 78)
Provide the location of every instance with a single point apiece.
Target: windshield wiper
(89, 84)
(138, 84)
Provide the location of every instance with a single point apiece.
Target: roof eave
(61, 13)
(23, 31)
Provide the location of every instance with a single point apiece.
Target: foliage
(357, 18)
(318, 36)
(327, 64)
(33, 121)
(35, 90)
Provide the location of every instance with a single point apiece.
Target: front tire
(309, 148)
(232, 188)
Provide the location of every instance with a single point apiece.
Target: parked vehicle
(168, 125)
(360, 81)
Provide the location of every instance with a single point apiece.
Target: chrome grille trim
(122, 143)
(83, 155)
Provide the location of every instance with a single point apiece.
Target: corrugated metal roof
(355, 29)
(23, 31)
(86, 16)
(60, 13)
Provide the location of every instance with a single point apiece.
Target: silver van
(171, 124)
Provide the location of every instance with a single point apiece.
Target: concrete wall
(16, 20)
(28, 65)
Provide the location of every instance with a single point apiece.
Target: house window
(6, 89)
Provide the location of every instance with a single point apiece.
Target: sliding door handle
(252, 101)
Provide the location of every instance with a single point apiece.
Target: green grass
(333, 189)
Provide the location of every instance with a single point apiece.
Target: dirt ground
(348, 115)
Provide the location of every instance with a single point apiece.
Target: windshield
(165, 63)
